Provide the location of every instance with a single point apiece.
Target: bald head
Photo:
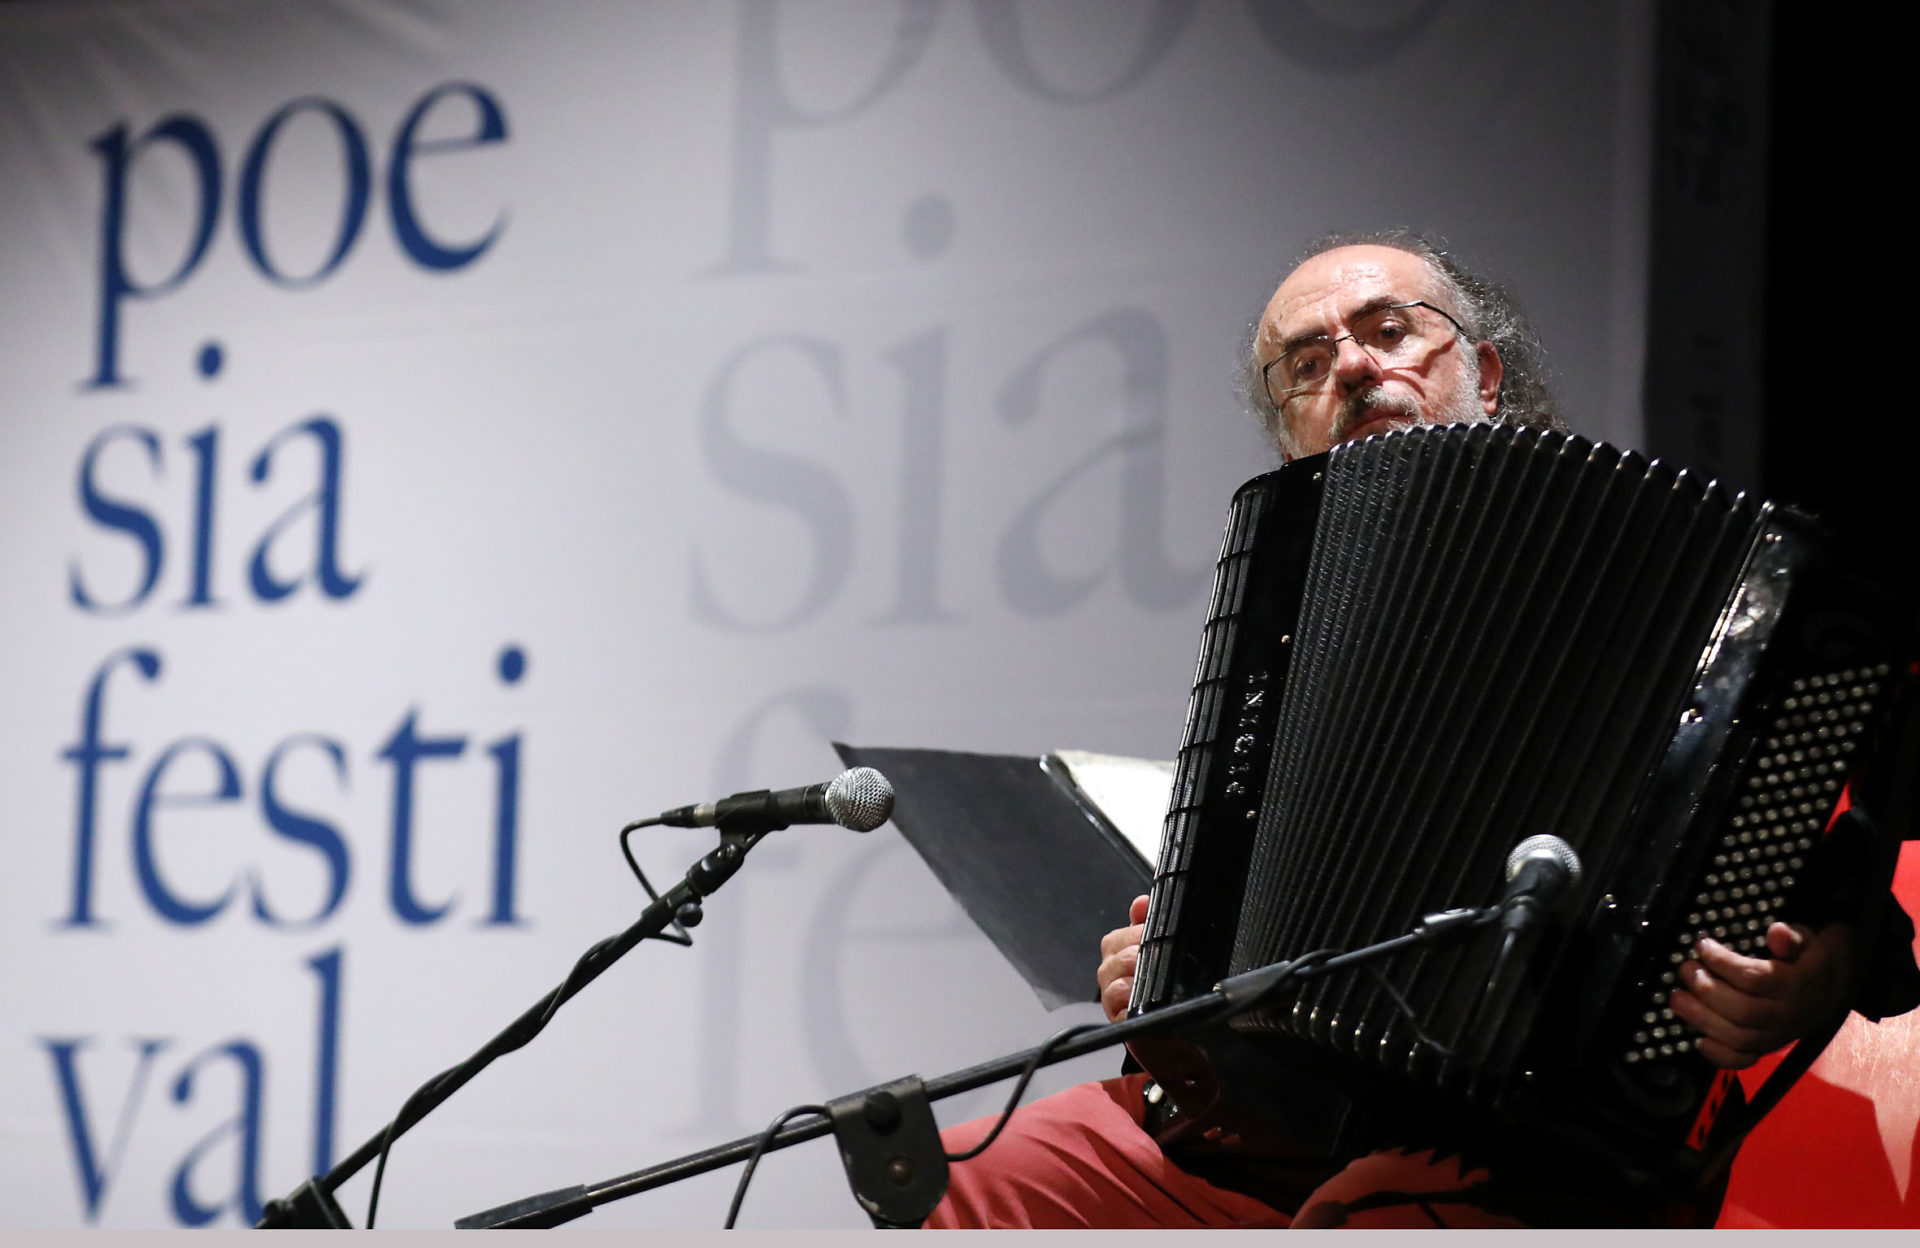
(1363, 391)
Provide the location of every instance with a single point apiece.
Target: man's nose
(1353, 366)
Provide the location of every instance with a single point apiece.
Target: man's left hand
(1745, 1008)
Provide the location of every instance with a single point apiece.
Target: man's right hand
(1119, 952)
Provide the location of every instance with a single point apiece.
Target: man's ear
(1491, 371)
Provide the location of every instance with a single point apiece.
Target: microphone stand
(880, 1157)
(311, 1206)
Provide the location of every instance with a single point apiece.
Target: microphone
(859, 798)
(1541, 871)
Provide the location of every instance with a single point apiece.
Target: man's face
(1455, 381)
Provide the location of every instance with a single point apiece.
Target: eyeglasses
(1395, 336)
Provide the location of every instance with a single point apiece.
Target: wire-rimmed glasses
(1396, 335)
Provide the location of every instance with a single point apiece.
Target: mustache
(1370, 404)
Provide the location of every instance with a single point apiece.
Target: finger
(1118, 964)
(1114, 998)
(1787, 941)
(1137, 912)
(1719, 1034)
(1760, 977)
(1743, 1009)
(1120, 938)
(1724, 1057)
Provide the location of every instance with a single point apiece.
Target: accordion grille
(1497, 630)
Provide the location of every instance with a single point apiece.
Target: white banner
(434, 434)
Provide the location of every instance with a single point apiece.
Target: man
(1367, 334)
(1321, 385)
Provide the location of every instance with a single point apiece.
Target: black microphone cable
(680, 936)
(579, 972)
(859, 799)
(1052, 1042)
(759, 1150)
(1027, 1072)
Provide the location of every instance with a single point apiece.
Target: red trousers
(1080, 1158)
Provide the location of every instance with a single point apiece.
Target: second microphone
(859, 798)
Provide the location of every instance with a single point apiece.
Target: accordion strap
(1798, 1060)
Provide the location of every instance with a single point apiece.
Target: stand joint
(890, 1146)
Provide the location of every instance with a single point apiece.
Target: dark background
(1776, 316)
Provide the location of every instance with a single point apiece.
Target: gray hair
(1489, 313)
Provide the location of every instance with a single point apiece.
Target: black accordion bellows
(1423, 649)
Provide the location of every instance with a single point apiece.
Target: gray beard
(1403, 412)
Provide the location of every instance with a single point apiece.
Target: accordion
(1426, 647)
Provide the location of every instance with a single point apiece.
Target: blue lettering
(403, 749)
(326, 1057)
(243, 1129)
(324, 501)
(87, 754)
(119, 515)
(512, 667)
(165, 902)
(97, 1168)
(206, 451)
(116, 285)
(506, 807)
(354, 213)
(98, 1159)
(304, 829)
(426, 250)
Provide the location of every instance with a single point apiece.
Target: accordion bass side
(1426, 647)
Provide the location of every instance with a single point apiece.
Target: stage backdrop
(433, 434)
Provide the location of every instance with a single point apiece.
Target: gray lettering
(1139, 342)
(763, 108)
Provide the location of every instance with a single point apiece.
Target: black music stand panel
(1029, 858)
